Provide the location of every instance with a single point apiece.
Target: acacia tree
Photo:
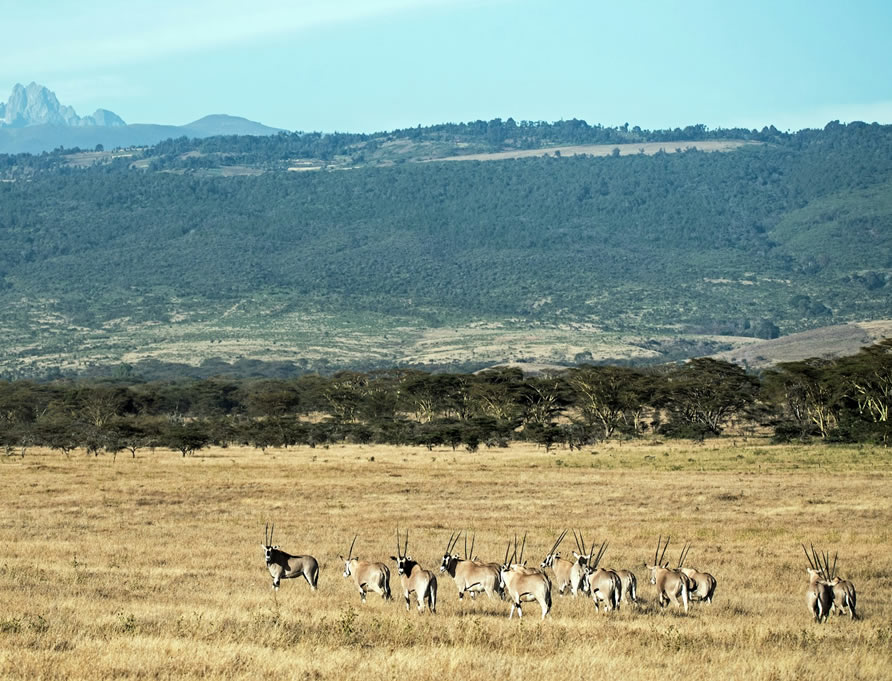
(868, 377)
(705, 393)
(610, 396)
(808, 393)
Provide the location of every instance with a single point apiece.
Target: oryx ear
(394, 559)
(408, 557)
(276, 546)
(577, 555)
(666, 564)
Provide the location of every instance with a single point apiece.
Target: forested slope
(771, 238)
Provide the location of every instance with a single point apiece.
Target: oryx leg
(432, 598)
(312, 579)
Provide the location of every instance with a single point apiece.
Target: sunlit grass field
(152, 568)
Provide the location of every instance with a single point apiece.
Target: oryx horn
(601, 553)
(659, 561)
(559, 540)
(808, 558)
(683, 555)
(580, 543)
(350, 552)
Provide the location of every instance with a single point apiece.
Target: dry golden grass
(152, 568)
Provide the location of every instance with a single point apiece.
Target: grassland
(152, 567)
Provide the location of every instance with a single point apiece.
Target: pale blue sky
(370, 65)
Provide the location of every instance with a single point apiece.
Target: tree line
(845, 399)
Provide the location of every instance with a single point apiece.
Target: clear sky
(372, 65)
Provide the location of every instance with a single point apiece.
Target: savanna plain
(152, 568)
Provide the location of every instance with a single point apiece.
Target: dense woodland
(843, 400)
(780, 236)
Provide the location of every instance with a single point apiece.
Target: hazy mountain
(38, 105)
(222, 124)
(33, 120)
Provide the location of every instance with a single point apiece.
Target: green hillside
(168, 253)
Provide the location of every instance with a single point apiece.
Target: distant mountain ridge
(33, 120)
(38, 105)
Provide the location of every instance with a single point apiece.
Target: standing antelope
(628, 586)
(470, 576)
(844, 596)
(414, 578)
(567, 573)
(702, 584)
(524, 584)
(366, 575)
(819, 594)
(282, 565)
(671, 584)
(603, 585)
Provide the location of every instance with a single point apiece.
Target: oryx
(844, 596)
(671, 584)
(524, 584)
(366, 575)
(567, 573)
(702, 584)
(818, 594)
(414, 578)
(604, 586)
(282, 565)
(470, 576)
(628, 586)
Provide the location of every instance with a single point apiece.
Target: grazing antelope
(523, 584)
(819, 594)
(844, 596)
(567, 573)
(671, 584)
(282, 565)
(604, 586)
(469, 576)
(414, 578)
(702, 584)
(366, 575)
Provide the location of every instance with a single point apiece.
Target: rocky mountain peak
(38, 105)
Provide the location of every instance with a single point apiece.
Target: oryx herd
(512, 580)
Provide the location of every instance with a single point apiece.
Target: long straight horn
(663, 555)
(453, 540)
(833, 571)
(473, 539)
(817, 559)
(560, 538)
(585, 551)
(579, 547)
(683, 555)
(656, 553)
(507, 549)
(266, 534)
(466, 544)
(271, 530)
(808, 557)
(350, 552)
(398, 543)
(406, 546)
(601, 553)
(520, 560)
